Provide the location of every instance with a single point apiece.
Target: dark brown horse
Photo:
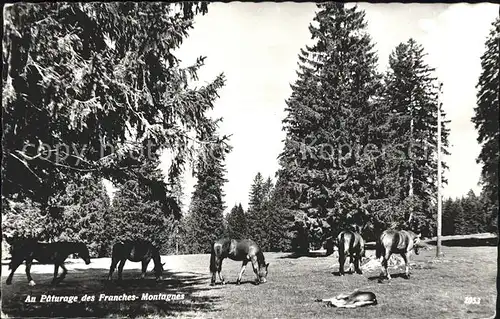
(45, 253)
(238, 250)
(136, 251)
(350, 244)
(398, 242)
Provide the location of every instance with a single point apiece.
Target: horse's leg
(120, 268)
(242, 271)
(255, 266)
(352, 261)
(29, 261)
(407, 265)
(14, 265)
(357, 262)
(56, 272)
(145, 263)
(385, 264)
(219, 269)
(114, 262)
(65, 272)
(341, 262)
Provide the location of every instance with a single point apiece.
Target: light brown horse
(353, 300)
(398, 242)
(238, 250)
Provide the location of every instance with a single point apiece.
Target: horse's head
(83, 252)
(417, 243)
(263, 273)
(158, 270)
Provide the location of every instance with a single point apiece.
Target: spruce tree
(259, 210)
(411, 95)
(236, 223)
(86, 212)
(205, 221)
(327, 126)
(105, 83)
(138, 213)
(486, 120)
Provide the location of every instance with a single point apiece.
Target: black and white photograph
(250, 160)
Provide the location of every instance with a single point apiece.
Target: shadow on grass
(242, 283)
(393, 276)
(348, 272)
(468, 242)
(92, 282)
(311, 254)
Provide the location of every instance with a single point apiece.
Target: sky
(256, 46)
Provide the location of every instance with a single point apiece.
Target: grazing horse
(136, 251)
(238, 250)
(353, 245)
(352, 300)
(398, 242)
(46, 253)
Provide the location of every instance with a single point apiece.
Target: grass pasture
(437, 288)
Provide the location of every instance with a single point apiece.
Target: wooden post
(439, 208)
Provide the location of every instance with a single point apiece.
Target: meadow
(438, 288)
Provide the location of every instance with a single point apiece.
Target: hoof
(32, 283)
(238, 282)
(359, 272)
(407, 276)
(212, 284)
(8, 282)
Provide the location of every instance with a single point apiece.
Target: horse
(46, 253)
(352, 300)
(353, 245)
(238, 250)
(398, 242)
(136, 251)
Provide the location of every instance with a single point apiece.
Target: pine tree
(205, 221)
(236, 223)
(486, 119)
(411, 94)
(328, 125)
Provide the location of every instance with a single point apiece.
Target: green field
(437, 289)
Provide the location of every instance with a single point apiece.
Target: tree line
(93, 91)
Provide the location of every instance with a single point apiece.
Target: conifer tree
(236, 223)
(103, 80)
(138, 214)
(205, 221)
(486, 120)
(411, 95)
(327, 126)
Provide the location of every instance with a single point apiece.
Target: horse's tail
(216, 249)
(379, 248)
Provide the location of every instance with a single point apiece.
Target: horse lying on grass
(238, 250)
(45, 253)
(352, 300)
(136, 251)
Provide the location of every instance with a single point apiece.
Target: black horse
(399, 242)
(136, 251)
(350, 244)
(46, 253)
(238, 250)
